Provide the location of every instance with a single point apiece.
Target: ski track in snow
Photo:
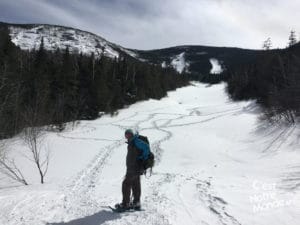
(78, 199)
(80, 192)
(83, 185)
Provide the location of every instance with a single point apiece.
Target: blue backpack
(149, 162)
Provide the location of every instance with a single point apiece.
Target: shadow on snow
(96, 219)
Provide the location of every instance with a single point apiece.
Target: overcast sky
(150, 24)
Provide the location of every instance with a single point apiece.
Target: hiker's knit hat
(129, 131)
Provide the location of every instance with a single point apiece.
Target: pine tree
(267, 44)
(68, 94)
(292, 38)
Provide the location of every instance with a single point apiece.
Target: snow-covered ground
(216, 164)
(216, 66)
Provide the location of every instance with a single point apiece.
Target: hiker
(138, 151)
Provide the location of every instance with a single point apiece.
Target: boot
(136, 205)
(122, 207)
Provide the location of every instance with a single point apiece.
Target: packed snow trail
(215, 164)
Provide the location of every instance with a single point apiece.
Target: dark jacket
(137, 151)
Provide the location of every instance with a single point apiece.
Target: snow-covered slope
(29, 37)
(216, 164)
(197, 59)
(216, 66)
(192, 59)
(179, 63)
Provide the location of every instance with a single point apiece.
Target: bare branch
(9, 168)
(34, 139)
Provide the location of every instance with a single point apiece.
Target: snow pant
(132, 183)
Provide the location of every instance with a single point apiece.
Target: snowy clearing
(216, 164)
(179, 63)
(216, 66)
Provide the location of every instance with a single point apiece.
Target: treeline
(42, 88)
(273, 79)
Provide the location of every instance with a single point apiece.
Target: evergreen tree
(292, 38)
(267, 44)
(68, 93)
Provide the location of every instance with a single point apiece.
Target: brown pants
(131, 182)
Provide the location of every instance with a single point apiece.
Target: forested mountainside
(198, 60)
(41, 87)
(273, 79)
(45, 57)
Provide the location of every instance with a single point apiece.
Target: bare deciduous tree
(9, 168)
(34, 139)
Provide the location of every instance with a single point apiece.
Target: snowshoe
(120, 208)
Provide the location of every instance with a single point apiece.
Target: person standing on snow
(137, 152)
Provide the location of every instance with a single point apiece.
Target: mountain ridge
(194, 59)
(133, 49)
